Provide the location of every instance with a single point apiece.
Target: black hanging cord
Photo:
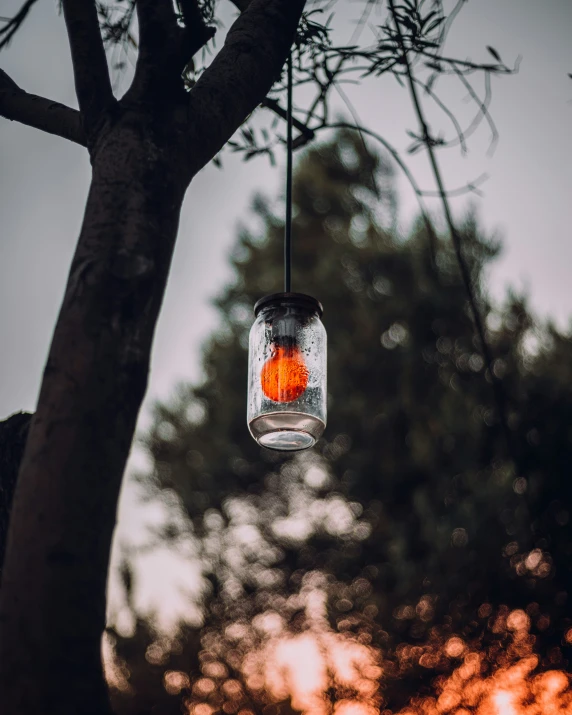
(289, 152)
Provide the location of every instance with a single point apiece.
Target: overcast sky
(44, 182)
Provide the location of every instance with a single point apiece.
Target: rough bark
(13, 434)
(54, 582)
(144, 155)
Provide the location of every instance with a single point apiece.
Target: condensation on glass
(287, 372)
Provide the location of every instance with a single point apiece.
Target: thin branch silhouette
(498, 390)
(397, 158)
(13, 24)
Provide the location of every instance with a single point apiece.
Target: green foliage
(409, 505)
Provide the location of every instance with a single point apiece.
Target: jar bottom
(286, 431)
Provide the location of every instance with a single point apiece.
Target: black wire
(289, 152)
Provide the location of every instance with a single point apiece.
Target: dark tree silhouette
(13, 434)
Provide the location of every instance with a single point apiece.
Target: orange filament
(284, 376)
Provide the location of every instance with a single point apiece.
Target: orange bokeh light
(320, 671)
(284, 375)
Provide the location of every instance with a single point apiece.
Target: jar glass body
(287, 373)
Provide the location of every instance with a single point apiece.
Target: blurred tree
(408, 507)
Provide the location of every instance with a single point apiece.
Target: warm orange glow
(284, 376)
(303, 667)
(321, 671)
(496, 680)
(174, 681)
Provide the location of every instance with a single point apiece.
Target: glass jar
(287, 372)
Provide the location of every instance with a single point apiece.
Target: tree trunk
(13, 434)
(144, 149)
(64, 509)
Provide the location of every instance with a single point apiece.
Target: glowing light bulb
(284, 375)
(287, 346)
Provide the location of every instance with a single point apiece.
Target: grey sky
(44, 181)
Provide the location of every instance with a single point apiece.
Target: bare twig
(460, 139)
(13, 24)
(468, 188)
(450, 19)
(404, 168)
(483, 108)
(38, 112)
(362, 21)
(275, 107)
(498, 390)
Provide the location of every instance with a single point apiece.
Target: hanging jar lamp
(287, 352)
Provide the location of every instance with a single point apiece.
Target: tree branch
(13, 24)
(498, 389)
(419, 193)
(197, 32)
(38, 112)
(274, 106)
(165, 47)
(91, 75)
(241, 75)
(157, 27)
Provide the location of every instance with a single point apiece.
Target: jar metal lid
(297, 299)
